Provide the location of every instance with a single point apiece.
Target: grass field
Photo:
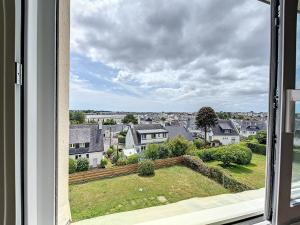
(253, 174)
(131, 192)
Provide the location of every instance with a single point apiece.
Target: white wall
(150, 140)
(92, 156)
(227, 140)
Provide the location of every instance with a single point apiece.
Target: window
(153, 136)
(76, 156)
(143, 148)
(164, 135)
(143, 136)
(72, 145)
(81, 145)
(87, 156)
(87, 144)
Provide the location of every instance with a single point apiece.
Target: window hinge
(19, 73)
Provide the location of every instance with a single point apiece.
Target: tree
(109, 122)
(77, 117)
(130, 118)
(206, 118)
(151, 151)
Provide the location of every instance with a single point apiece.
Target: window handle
(291, 97)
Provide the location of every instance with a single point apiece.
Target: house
(174, 131)
(224, 132)
(248, 128)
(110, 135)
(138, 136)
(86, 141)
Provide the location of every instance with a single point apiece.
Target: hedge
(257, 148)
(215, 174)
(146, 168)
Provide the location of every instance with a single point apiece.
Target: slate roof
(222, 125)
(253, 125)
(174, 131)
(86, 133)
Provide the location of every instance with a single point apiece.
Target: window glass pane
(295, 192)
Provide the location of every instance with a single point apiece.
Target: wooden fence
(119, 170)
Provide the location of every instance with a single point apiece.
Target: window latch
(19, 73)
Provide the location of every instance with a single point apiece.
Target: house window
(153, 136)
(72, 145)
(143, 136)
(76, 156)
(87, 144)
(76, 145)
(87, 156)
(79, 156)
(164, 135)
(81, 145)
(143, 148)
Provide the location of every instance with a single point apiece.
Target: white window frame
(81, 145)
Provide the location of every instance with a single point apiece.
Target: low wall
(119, 170)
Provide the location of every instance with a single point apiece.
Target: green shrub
(121, 139)
(133, 159)
(226, 156)
(257, 148)
(236, 153)
(214, 174)
(199, 143)
(103, 162)
(122, 161)
(179, 146)
(163, 151)
(82, 164)
(110, 151)
(72, 166)
(116, 156)
(207, 154)
(261, 137)
(151, 152)
(146, 168)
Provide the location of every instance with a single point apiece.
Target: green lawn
(131, 192)
(253, 174)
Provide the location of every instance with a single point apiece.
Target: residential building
(138, 136)
(86, 141)
(248, 128)
(174, 131)
(224, 132)
(101, 118)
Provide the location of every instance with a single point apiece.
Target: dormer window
(72, 145)
(227, 131)
(143, 136)
(153, 136)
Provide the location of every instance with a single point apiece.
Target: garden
(204, 171)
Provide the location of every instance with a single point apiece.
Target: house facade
(248, 128)
(138, 136)
(86, 141)
(224, 132)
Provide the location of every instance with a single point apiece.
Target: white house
(138, 136)
(248, 128)
(86, 141)
(224, 132)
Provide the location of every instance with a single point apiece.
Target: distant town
(94, 134)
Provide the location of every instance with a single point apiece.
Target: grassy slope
(133, 192)
(252, 174)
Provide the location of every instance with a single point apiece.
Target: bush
(82, 164)
(257, 148)
(207, 154)
(261, 137)
(103, 162)
(179, 146)
(122, 162)
(214, 174)
(116, 156)
(72, 166)
(199, 143)
(121, 139)
(110, 151)
(151, 152)
(236, 153)
(163, 151)
(146, 168)
(133, 159)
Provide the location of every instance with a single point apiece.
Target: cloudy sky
(169, 55)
